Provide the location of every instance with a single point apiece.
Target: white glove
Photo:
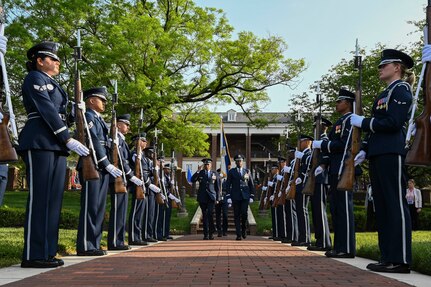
(81, 106)
(299, 154)
(136, 181)
(3, 44)
(229, 201)
(279, 177)
(173, 182)
(298, 181)
(279, 194)
(270, 183)
(163, 196)
(318, 170)
(286, 169)
(154, 188)
(287, 189)
(1, 117)
(316, 144)
(264, 201)
(115, 172)
(426, 53)
(271, 197)
(356, 120)
(171, 196)
(414, 128)
(360, 157)
(77, 147)
(251, 200)
(229, 205)
(264, 188)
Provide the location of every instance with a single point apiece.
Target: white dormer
(231, 115)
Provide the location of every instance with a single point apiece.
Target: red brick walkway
(190, 261)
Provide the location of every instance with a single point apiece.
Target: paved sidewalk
(190, 261)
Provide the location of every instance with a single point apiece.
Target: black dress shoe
(339, 255)
(205, 238)
(318, 248)
(296, 243)
(162, 239)
(211, 237)
(391, 268)
(121, 247)
(244, 235)
(169, 238)
(376, 265)
(139, 242)
(270, 238)
(276, 239)
(95, 252)
(49, 263)
(224, 234)
(219, 234)
(285, 240)
(151, 239)
(59, 261)
(238, 238)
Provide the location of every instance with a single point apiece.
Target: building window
(231, 116)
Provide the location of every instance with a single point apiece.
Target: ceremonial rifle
(140, 190)
(347, 178)
(310, 178)
(174, 187)
(120, 181)
(420, 150)
(264, 183)
(285, 182)
(89, 171)
(156, 169)
(7, 152)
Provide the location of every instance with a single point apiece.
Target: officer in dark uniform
(149, 231)
(117, 214)
(207, 195)
(44, 144)
(385, 148)
(240, 192)
(271, 186)
(318, 199)
(160, 212)
(279, 209)
(168, 182)
(221, 208)
(290, 206)
(94, 192)
(341, 202)
(138, 207)
(302, 200)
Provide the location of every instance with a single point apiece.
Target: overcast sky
(322, 32)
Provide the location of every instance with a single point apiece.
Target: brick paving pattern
(190, 261)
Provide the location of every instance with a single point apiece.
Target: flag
(224, 152)
(189, 175)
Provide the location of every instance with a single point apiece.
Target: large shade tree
(170, 57)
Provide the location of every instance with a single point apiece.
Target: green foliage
(166, 55)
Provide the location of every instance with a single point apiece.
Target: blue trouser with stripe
(291, 220)
(301, 202)
(388, 181)
(341, 206)
(136, 226)
(320, 219)
(92, 214)
(46, 173)
(117, 218)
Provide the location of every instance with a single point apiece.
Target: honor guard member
(207, 195)
(322, 233)
(94, 192)
(302, 200)
(279, 209)
(118, 212)
(149, 231)
(160, 213)
(137, 227)
(169, 184)
(240, 192)
(272, 184)
(384, 146)
(290, 206)
(44, 144)
(221, 207)
(341, 202)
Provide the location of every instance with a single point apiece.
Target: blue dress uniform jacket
(237, 187)
(208, 186)
(336, 145)
(390, 113)
(45, 103)
(42, 144)
(301, 201)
